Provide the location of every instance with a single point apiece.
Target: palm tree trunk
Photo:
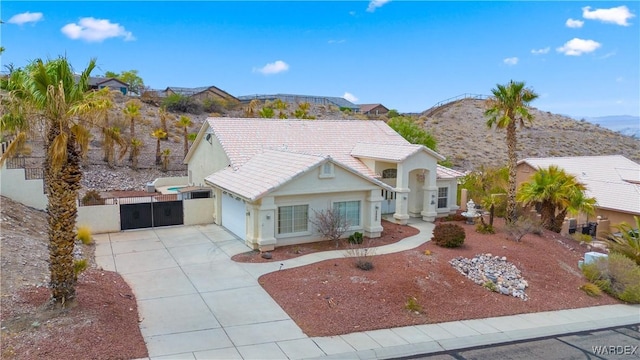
(62, 186)
(158, 159)
(512, 215)
(132, 130)
(186, 141)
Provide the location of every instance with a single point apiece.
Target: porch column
(430, 198)
(266, 223)
(217, 205)
(402, 195)
(373, 214)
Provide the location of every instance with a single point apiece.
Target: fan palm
(159, 134)
(184, 122)
(132, 111)
(49, 92)
(509, 106)
(136, 145)
(556, 193)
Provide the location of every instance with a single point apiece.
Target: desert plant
(448, 235)
(330, 223)
(490, 285)
(626, 241)
(356, 238)
(453, 217)
(521, 227)
(92, 197)
(616, 275)
(136, 145)
(580, 237)
(181, 103)
(159, 134)
(362, 255)
(84, 234)
(509, 106)
(412, 132)
(184, 122)
(132, 112)
(413, 305)
(79, 265)
(591, 289)
(484, 228)
(266, 112)
(165, 159)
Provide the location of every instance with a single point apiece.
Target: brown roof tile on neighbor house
(373, 109)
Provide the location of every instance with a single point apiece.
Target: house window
(326, 171)
(389, 173)
(443, 197)
(293, 219)
(350, 210)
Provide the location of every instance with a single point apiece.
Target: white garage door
(234, 216)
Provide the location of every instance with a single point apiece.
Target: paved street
(615, 343)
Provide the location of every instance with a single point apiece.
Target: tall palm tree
(136, 145)
(159, 134)
(165, 159)
(509, 106)
(49, 92)
(184, 122)
(165, 116)
(132, 111)
(556, 193)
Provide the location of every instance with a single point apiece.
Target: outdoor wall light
(377, 207)
(248, 213)
(268, 217)
(404, 198)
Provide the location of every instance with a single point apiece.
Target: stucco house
(613, 180)
(270, 176)
(373, 109)
(311, 99)
(98, 83)
(200, 93)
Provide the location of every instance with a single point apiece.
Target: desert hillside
(463, 137)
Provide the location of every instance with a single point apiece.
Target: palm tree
(281, 106)
(266, 112)
(49, 92)
(164, 117)
(250, 111)
(185, 122)
(132, 111)
(165, 159)
(627, 240)
(510, 105)
(159, 134)
(136, 145)
(112, 138)
(555, 193)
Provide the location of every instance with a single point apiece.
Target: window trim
(280, 234)
(324, 174)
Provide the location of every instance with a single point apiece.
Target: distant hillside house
(200, 93)
(97, 83)
(613, 180)
(270, 177)
(341, 103)
(373, 109)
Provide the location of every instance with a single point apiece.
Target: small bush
(591, 289)
(356, 238)
(616, 275)
(79, 265)
(84, 234)
(362, 255)
(484, 228)
(448, 235)
(490, 285)
(454, 217)
(579, 237)
(523, 226)
(92, 197)
(413, 305)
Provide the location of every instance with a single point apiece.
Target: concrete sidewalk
(195, 303)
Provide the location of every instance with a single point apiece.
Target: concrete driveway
(196, 303)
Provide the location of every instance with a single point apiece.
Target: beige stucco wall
(169, 181)
(452, 185)
(198, 211)
(99, 218)
(207, 158)
(28, 192)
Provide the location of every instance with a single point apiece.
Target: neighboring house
(112, 83)
(373, 109)
(270, 176)
(200, 93)
(613, 180)
(341, 103)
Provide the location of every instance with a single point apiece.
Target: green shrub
(356, 238)
(484, 228)
(523, 226)
(79, 265)
(180, 103)
(626, 241)
(413, 305)
(454, 217)
(490, 285)
(448, 235)
(84, 234)
(591, 289)
(617, 275)
(580, 237)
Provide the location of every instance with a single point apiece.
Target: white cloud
(341, 41)
(540, 51)
(574, 23)
(374, 4)
(273, 68)
(577, 47)
(26, 17)
(617, 15)
(352, 13)
(511, 61)
(95, 30)
(349, 96)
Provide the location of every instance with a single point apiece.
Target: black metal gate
(151, 214)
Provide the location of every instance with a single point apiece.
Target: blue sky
(583, 58)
